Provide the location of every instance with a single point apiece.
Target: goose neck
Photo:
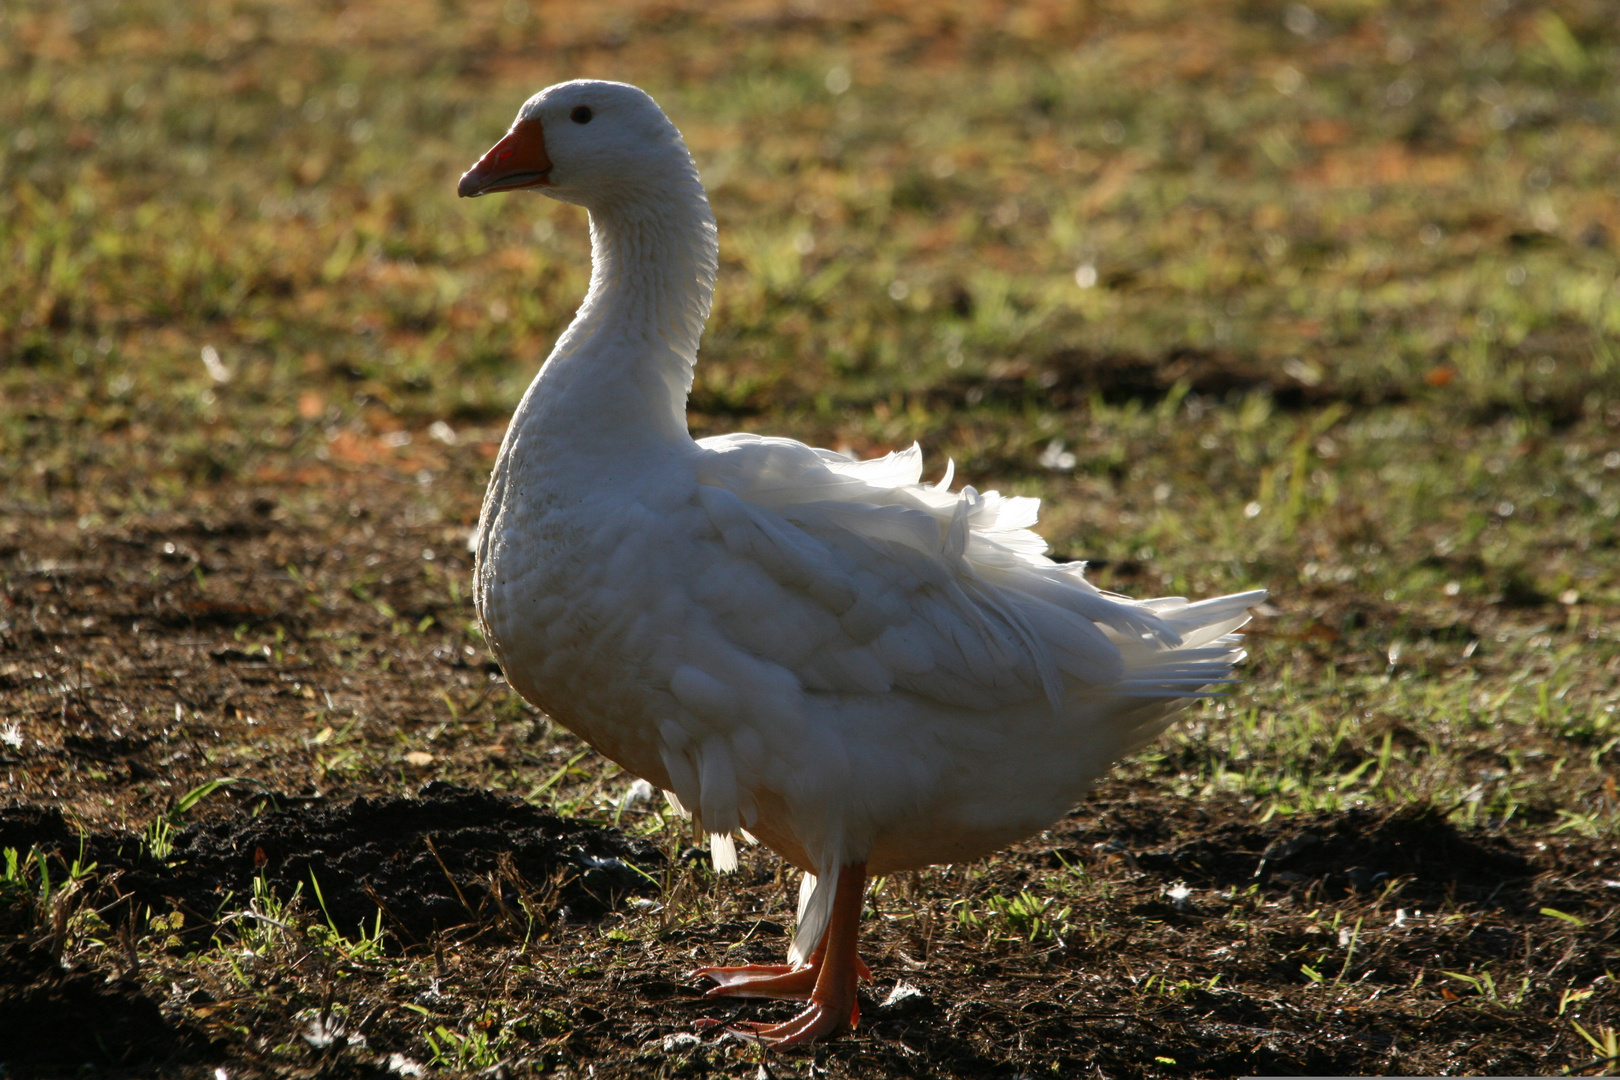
(653, 270)
(625, 363)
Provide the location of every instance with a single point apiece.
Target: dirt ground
(146, 659)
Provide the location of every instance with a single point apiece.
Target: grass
(1322, 298)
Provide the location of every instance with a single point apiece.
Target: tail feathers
(1184, 672)
(1208, 650)
(1207, 620)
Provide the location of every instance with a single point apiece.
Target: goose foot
(779, 982)
(827, 980)
(782, 982)
(815, 1022)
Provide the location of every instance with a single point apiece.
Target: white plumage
(867, 672)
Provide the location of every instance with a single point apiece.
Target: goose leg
(828, 980)
(779, 982)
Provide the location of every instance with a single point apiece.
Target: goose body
(867, 672)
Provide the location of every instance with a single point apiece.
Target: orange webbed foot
(778, 982)
(781, 982)
(818, 1020)
(827, 980)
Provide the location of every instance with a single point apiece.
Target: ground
(1317, 298)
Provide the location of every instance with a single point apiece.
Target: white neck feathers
(624, 366)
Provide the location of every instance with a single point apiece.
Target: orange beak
(518, 161)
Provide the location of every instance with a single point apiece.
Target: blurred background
(957, 223)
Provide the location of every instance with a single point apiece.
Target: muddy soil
(65, 1018)
(446, 859)
(465, 870)
(448, 863)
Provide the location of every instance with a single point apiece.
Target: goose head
(586, 142)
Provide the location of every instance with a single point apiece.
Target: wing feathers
(942, 594)
(787, 555)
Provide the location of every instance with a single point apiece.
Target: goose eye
(581, 114)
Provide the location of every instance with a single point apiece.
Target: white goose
(868, 673)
